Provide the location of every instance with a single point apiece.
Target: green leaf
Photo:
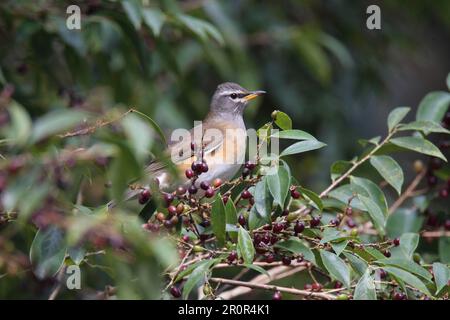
(425, 126)
(338, 168)
(56, 122)
(245, 246)
(255, 220)
(76, 254)
(283, 120)
(433, 106)
(441, 275)
(331, 234)
(155, 126)
(218, 222)
(295, 245)
(278, 184)
(20, 123)
(365, 288)
(390, 170)
(408, 278)
(336, 266)
(397, 115)
(47, 252)
(314, 197)
(408, 265)
(197, 277)
(200, 28)
(344, 193)
(191, 268)
(139, 134)
(402, 221)
(154, 19)
(375, 213)
(302, 146)
(358, 264)
(293, 134)
(263, 199)
(133, 10)
(339, 247)
(419, 145)
(444, 249)
(230, 213)
(408, 244)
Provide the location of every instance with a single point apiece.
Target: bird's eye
(233, 96)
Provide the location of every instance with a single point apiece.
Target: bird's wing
(181, 152)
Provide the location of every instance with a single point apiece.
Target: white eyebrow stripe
(224, 93)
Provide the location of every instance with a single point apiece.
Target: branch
(409, 192)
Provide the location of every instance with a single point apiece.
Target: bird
(217, 145)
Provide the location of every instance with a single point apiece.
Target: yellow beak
(253, 95)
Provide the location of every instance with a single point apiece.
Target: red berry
(196, 166)
(270, 258)
(246, 194)
(204, 185)
(286, 260)
(307, 286)
(337, 285)
(181, 190)
(277, 296)
(383, 274)
(168, 224)
(225, 199)
(399, 296)
(396, 242)
(432, 180)
(349, 211)
(299, 227)
(316, 287)
(315, 221)
(217, 183)
(172, 210)
(209, 193)
(192, 189)
(232, 256)
(278, 227)
(447, 224)
(387, 253)
(175, 292)
(249, 165)
(186, 238)
(168, 198)
(189, 173)
(241, 220)
(435, 163)
(334, 222)
(144, 196)
(285, 213)
(350, 223)
(443, 193)
(266, 239)
(245, 172)
(295, 194)
(192, 146)
(204, 167)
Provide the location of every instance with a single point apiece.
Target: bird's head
(230, 98)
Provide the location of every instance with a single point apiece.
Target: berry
(443, 193)
(342, 296)
(175, 292)
(144, 196)
(286, 260)
(447, 118)
(232, 256)
(196, 166)
(270, 258)
(217, 183)
(277, 296)
(350, 223)
(387, 253)
(447, 224)
(192, 189)
(266, 239)
(168, 224)
(249, 165)
(435, 163)
(192, 146)
(204, 185)
(225, 199)
(174, 220)
(180, 208)
(396, 242)
(189, 173)
(445, 144)
(337, 285)
(295, 194)
(399, 296)
(285, 213)
(383, 274)
(349, 211)
(245, 172)
(432, 180)
(204, 167)
(172, 210)
(257, 238)
(315, 221)
(246, 194)
(241, 220)
(209, 193)
(181, 191)
(299, 227)
(307, 286)
(160, 216)
(186, 238)
(205, 223)
(277, 227)
(316, 287)
(334, 222)
(168, 198)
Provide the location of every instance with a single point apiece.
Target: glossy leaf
(293, 134)
(397, 115)
(336, 266)
(302, 146)
(444, 249)
(358, 264)
(402, 221)
(314, 197)
(263, 199)
(365, 288)
(245, 246)
(218, 218)
(408, 278)
(390, 170)
(425, 126)
(197, 277)
(296, 246)
(278, 184)
(433, 106)
(154, 19)
(419, 145)
(408, 265)
(283, 120)
(441, 275)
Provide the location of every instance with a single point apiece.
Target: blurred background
(316, 59)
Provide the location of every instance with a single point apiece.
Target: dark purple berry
(286, 260)
(299, 227)
(396, 242)
(204, 185)
(295, 194)
(315, 221)
(241, 220)
(246, 194)
(192, 189)
(277, 296)
(175, 292)
(210, 193)
(189, 173)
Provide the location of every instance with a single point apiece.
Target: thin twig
(408, 192)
